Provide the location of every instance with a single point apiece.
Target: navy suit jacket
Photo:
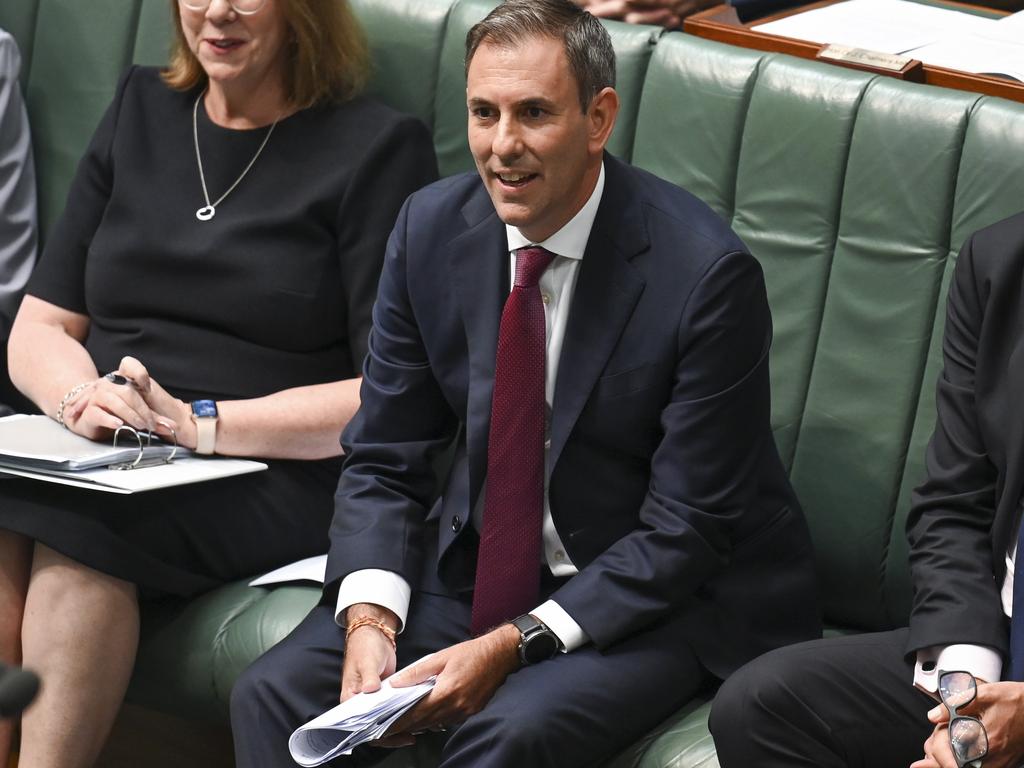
(664, 482)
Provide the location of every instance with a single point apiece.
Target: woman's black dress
(274, 292)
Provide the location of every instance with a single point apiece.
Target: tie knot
(530, 265)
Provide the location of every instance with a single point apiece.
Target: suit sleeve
(705, 470)
(388, 481)
(956, 599)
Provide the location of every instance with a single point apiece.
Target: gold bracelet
(66, 400)
(370, 621)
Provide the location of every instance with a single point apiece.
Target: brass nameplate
(887, 61)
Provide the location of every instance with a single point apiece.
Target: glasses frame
(954, 717)
(200, 6)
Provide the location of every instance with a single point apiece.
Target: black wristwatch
(536, 641)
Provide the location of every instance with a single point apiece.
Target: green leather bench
(854, 191)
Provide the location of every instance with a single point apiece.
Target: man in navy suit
(614, 528)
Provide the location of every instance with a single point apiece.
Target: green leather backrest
(854, 192)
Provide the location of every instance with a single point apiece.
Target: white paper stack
(365, 717)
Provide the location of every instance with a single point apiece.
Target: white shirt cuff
(569, 633)
(373, 585)
(981, 661)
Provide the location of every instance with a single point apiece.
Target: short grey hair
(587, 44)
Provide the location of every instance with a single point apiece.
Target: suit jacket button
(456, 524)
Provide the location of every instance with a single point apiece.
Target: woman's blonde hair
(327, 54)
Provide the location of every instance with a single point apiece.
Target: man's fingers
(609, 9)
(418, 672)
(938, 714)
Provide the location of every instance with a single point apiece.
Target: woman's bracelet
(66, 400)
(370, 621)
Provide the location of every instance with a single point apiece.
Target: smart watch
(536, 641)
(204, 414)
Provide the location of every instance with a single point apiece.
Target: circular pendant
(206, 213)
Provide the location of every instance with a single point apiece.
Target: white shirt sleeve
(373, 585)
(569, 633)
(981, 661)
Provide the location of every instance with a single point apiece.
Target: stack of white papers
(887, 26)
(995, 49)
(365, 717)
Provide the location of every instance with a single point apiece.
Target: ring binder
(141, 460)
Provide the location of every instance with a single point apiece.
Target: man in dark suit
(615, 529)
(871, 699)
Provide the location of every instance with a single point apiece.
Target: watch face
(539, 646)
(204, 409)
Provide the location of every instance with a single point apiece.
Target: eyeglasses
(242, 7)
(967, 735)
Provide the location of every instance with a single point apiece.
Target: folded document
(365, 717)
(39, 448)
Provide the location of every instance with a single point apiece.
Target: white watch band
(206, 434)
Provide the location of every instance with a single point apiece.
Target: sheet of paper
(976, 53)
(363, 718)
(311, 569)
(888, 26)
(180, 472)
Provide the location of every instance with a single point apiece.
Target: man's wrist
(373, 611)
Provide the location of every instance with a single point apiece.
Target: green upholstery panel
(789, 180)
(84, 47)
(405, 39)
(690, 120)
(875, 333)
(191, 653)
(19, 19)
(682, 741)
(152, 46)
(633, 46)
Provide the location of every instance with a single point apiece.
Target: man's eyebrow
(535, 101)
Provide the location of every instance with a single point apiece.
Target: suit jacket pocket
(626, 382)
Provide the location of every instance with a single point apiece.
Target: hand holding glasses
(241, 7)
(967, 735)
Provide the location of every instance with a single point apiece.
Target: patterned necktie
(1017, 620)
(508, 561)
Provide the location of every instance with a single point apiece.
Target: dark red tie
(508, 561)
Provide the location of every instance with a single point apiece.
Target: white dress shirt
(557, 286)
(981, 661)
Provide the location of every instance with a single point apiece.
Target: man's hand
(665, 13)
(369, 655)
(1000, 706)
(468, 674)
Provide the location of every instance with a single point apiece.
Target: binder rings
(37, 447)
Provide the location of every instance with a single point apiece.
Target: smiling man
(588, 345)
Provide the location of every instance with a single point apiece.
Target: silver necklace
(208, 211)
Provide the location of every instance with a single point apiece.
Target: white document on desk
(996, 49)
(363, 718)
(179, 472)
(887, 26)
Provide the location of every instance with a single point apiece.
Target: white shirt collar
(571, 239)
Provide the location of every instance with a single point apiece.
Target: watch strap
(206, 434)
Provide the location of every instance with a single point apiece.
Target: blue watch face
(204, 409)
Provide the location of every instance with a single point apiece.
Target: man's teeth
(512, 177)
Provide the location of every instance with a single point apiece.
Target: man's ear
(604, 108)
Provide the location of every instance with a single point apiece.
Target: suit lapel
(607, 290)
(479, 265)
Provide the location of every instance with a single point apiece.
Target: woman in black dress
(220, 248)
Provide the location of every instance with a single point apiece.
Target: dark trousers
(846, 701)
(575, 710)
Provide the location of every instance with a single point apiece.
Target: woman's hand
(140, 402)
